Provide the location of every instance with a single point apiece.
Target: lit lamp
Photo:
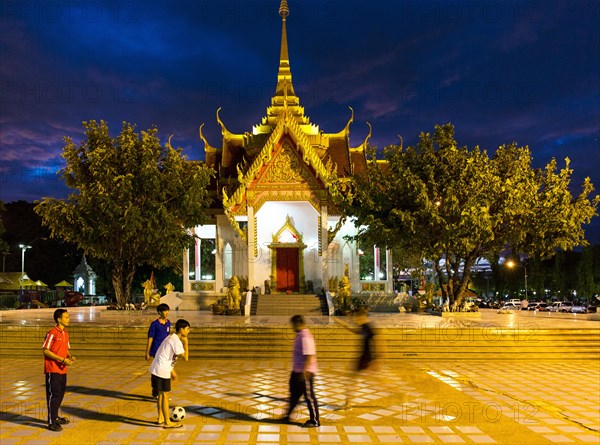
(511, 264)
(23, 247)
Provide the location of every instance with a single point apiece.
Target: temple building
(274, 225)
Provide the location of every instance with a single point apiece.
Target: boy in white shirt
(162, 369)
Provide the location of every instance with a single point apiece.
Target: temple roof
(240, 155)
(84, 269)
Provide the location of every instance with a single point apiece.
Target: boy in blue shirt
(158, 331)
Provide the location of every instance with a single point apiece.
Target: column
(390, 269)
(186, 271)
(219, 271)
(323, 247)
(251, 248)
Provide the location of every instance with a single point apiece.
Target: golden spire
(284, 76)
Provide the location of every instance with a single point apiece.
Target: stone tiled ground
(238, 402)
(234, 402)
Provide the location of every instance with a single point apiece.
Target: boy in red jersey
(56, 360)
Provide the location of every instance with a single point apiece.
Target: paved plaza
(238, 402)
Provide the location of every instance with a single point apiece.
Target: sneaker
(310, 424)
(54, 427)
(62, 420)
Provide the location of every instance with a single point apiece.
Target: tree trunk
(440, 275)
(464, 281)
(122, 280)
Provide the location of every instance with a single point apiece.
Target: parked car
(514, 301)
(510, 307)
(578, 309)
(537, 306)
(560, 306)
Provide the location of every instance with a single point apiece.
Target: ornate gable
(287, 163)
(287, 167)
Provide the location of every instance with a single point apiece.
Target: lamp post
(510, 264)
(525, 269)
(24, 247)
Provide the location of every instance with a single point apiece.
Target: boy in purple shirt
(304, 368)
(158, 331)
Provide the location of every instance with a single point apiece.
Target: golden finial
(284, 10)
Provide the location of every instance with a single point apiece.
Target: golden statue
(333, 284)
(169, 288)
(233, 293)
(151, 297)
(344, 291)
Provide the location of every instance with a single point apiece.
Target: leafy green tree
(596, 268)
(4, 247)
(559, 274)
(585, 275)
(454, 205)
(132, 201)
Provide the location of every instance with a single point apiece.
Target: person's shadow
(23, 419)
(101, 416)
(220, 413)
(109, 393)
(256, 395)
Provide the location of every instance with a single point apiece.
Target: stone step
(333, 343)
(283, 304)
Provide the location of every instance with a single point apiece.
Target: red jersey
(57, 341)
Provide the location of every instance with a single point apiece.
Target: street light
(510, 264)
(24, 247)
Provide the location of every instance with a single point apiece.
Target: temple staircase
(284, 304)
(270, 338)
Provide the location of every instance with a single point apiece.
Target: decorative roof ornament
(363, 146)
(345, 132)
(284, 10)
(228, 135)
(207, 147)
(284, 75)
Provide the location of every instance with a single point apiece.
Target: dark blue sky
(500, 71)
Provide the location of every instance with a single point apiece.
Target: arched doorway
(287, 259)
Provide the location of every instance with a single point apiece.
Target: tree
(559, 274)
(132, 203)
(585, 275)
(4, 247)
(454, 205)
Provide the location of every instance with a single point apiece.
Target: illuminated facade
(276, 220)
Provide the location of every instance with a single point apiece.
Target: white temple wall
(270, 218)
(341, 252)
(226, 235)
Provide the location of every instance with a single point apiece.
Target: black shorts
(160, 385)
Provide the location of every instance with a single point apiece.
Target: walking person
(304, 368)
(162, 369)
(159, 330)
(371, 350)
(57, 359)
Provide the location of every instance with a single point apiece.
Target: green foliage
(585, 274)
(4, 247)
(443, 201)
(131, 203)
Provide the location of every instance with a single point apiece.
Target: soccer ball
(177, 413)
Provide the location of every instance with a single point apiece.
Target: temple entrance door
(287, 269)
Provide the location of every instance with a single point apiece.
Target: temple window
(227, 262)
(202, 258)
